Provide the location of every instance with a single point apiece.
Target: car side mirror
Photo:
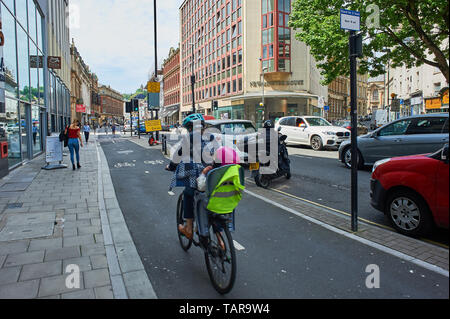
(444, 154)
(303, 126)
(279, 129)
(374, 135)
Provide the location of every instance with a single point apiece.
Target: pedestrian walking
(95, 128)
(35, 131)
(87, 131)
(106, 129)
(73, 132)
(114, 129)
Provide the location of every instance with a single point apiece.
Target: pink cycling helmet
(227, 156)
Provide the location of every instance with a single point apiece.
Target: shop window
(23, 65)
(13, 132)
(9, 53)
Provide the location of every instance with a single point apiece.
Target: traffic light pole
(156, 58)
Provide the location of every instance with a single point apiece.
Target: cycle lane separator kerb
(364, 241)
(117, 276)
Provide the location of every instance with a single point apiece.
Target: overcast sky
(115, 38)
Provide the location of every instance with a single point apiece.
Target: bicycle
(221, 263)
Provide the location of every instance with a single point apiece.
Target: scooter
(284, 166)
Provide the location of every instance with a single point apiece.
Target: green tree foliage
(415, 31)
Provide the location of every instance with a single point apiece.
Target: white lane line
(372, 244)
(302, 156)
(238, 246)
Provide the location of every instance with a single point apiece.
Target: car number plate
(254, 166)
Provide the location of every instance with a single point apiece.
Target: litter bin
(4, 170)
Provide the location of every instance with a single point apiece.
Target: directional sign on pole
(350, 20)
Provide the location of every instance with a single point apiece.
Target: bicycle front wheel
(221, 263)
(184, 242)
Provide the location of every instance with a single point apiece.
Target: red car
(413, 191)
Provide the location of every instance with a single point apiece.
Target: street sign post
(153, 126)
(351, 21)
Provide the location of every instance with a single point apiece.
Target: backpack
(64, 136)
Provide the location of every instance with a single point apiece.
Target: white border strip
(372, 244)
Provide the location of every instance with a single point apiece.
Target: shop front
(437, 104)
(170, 114)
(277, 104)
(22, 98)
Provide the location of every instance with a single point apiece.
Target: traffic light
(215, 105)
(135, 103)
(129, 107)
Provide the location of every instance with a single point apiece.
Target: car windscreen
(237, 128)
(317, 121)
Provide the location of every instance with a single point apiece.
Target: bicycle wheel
(221, 264)
(184, 242)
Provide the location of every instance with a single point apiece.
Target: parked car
(420, 134)
(142, 129)
(312, 130)
(237, 132)
(348, 125)
(413, 191)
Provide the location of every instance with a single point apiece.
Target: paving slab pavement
(53, 220)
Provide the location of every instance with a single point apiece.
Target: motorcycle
(284, 166)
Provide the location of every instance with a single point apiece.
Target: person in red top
(74, 147)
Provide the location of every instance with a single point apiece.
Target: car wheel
(316, 143)
(347, 158)
(409, 214)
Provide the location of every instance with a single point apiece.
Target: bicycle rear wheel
(221, 264)
(184, 242)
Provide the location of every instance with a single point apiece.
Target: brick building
(111, 105)
(172, 90)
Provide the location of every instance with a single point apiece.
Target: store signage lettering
(80, 108)
(36, 61)
(54, 62)
(276, 83)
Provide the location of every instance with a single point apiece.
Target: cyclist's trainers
(182, 229)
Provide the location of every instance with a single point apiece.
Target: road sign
(153, 126)
(153, 87)
(395, 107)
(326, 108)
(153, 100)
(321, 102)
(350, 20)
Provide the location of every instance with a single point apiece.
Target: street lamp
(193, 78)
(263, 87)
(387, 51)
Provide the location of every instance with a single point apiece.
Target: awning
(272, 94)
(169, 110)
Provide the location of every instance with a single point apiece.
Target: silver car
(420, 134)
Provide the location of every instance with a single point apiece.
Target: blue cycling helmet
(189, 121)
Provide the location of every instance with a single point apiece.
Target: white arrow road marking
(125, 152)
(238, 246)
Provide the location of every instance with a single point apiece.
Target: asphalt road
(283, 256)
